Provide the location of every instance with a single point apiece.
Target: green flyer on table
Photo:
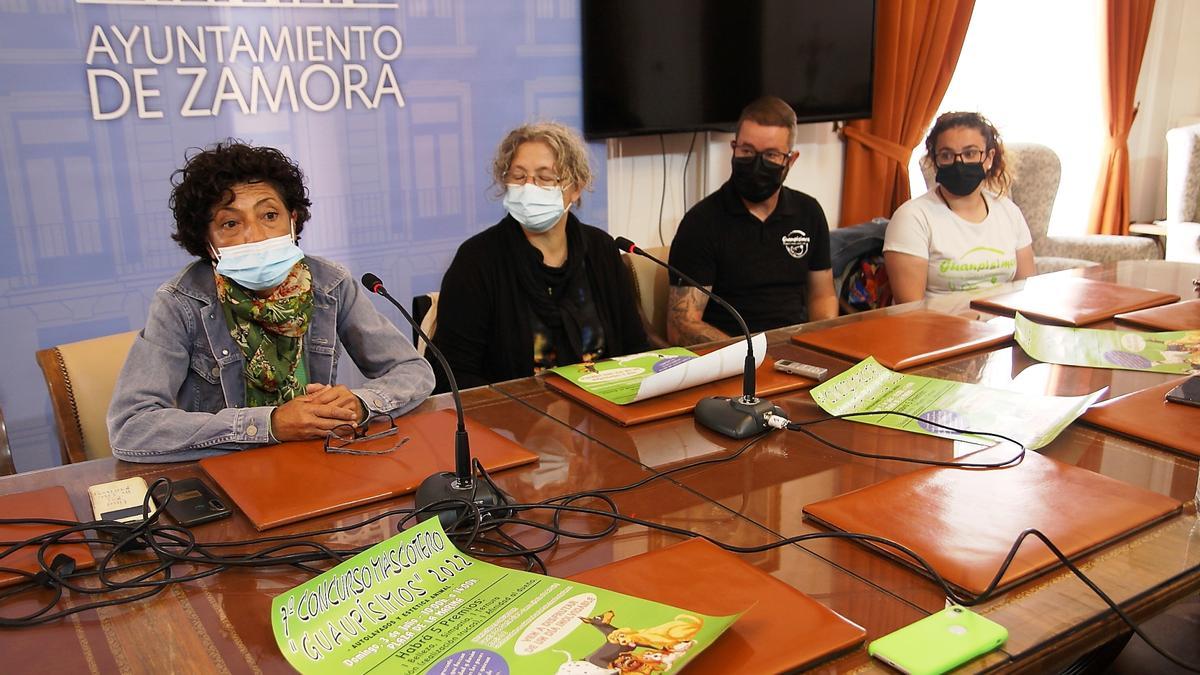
(1167, 352)
(415, 604)
(637, 377)
(1031, 419)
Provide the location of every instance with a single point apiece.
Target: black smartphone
(1188, 392)
(192, 502)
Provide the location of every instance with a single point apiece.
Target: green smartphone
(939, 643)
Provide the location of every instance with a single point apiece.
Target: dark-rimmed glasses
(353, 439)
(946, 156)
(775, 157)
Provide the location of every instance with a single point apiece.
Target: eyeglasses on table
(354, 439)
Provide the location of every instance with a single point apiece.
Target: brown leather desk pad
(768, 382)
(901, 341)
(1175, 425)
(284, 483)
(964, 521)
(51, 502)
(782, 629)
(1179, 316)
(1072, 301)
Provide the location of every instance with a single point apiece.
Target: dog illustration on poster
(660, 646)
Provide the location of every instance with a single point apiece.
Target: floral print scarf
(270, 332)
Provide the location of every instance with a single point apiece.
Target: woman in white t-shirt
(962, 235)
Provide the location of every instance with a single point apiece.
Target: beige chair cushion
(429, 321)
(92, 367)
(651, 284)
(1183, 174)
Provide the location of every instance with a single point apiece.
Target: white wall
(636, 184)
(817, 171)
(1168, 92)
(635, 177)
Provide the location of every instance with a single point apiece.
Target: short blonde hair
(570, 153)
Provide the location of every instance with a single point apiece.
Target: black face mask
(755, 179)
(961, 178)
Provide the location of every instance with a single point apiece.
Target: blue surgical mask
(536, 208)
(262, 264)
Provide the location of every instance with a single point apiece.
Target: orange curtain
(1126, 28)
(917, 43)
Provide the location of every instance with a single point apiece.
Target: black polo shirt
(761, 268)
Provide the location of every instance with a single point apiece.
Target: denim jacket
(181, 394)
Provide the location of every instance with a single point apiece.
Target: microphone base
(734, 418)
(442, 487)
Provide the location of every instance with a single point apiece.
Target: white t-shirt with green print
(963, 256)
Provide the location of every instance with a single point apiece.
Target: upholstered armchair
(1036, 172)
(1183, 193)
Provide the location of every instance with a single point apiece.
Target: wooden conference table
(220, 623)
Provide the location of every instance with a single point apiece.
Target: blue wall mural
(393, 110)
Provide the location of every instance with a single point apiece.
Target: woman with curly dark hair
(240, 348)
(964, 234)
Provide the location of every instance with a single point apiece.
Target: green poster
(1032, 420)
(415, 604)
(1170, 352)
(637, 377)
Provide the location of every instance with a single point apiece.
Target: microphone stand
(734, 417)
(446, 488)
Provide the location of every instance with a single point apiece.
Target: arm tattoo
(685, 325)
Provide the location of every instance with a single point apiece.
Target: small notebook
(1072, 301)
(1179, 316)
(901, 341)
(782, 630)
(53, 503)
(768, 382)
(964, 521)
(1176, 425)
(280, 484)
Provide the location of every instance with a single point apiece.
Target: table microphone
(734, 417)
(447, 486)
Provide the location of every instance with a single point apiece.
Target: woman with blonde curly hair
(539, 289)
(964, 234)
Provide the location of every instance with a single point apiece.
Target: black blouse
(486, 315)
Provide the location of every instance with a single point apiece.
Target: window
(1033, 68)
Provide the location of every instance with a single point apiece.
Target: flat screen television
(661, 66)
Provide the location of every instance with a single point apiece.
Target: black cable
(470, 512)
(686, 160)
(662, 144)
(655, 475)
(563, 504)
(950, 592)
(1013, 461)
(171, 545)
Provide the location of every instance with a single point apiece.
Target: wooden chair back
(81, 377)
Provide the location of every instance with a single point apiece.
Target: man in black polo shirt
(762, 247)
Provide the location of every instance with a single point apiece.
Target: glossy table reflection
(1053, 618)
(219, 624)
